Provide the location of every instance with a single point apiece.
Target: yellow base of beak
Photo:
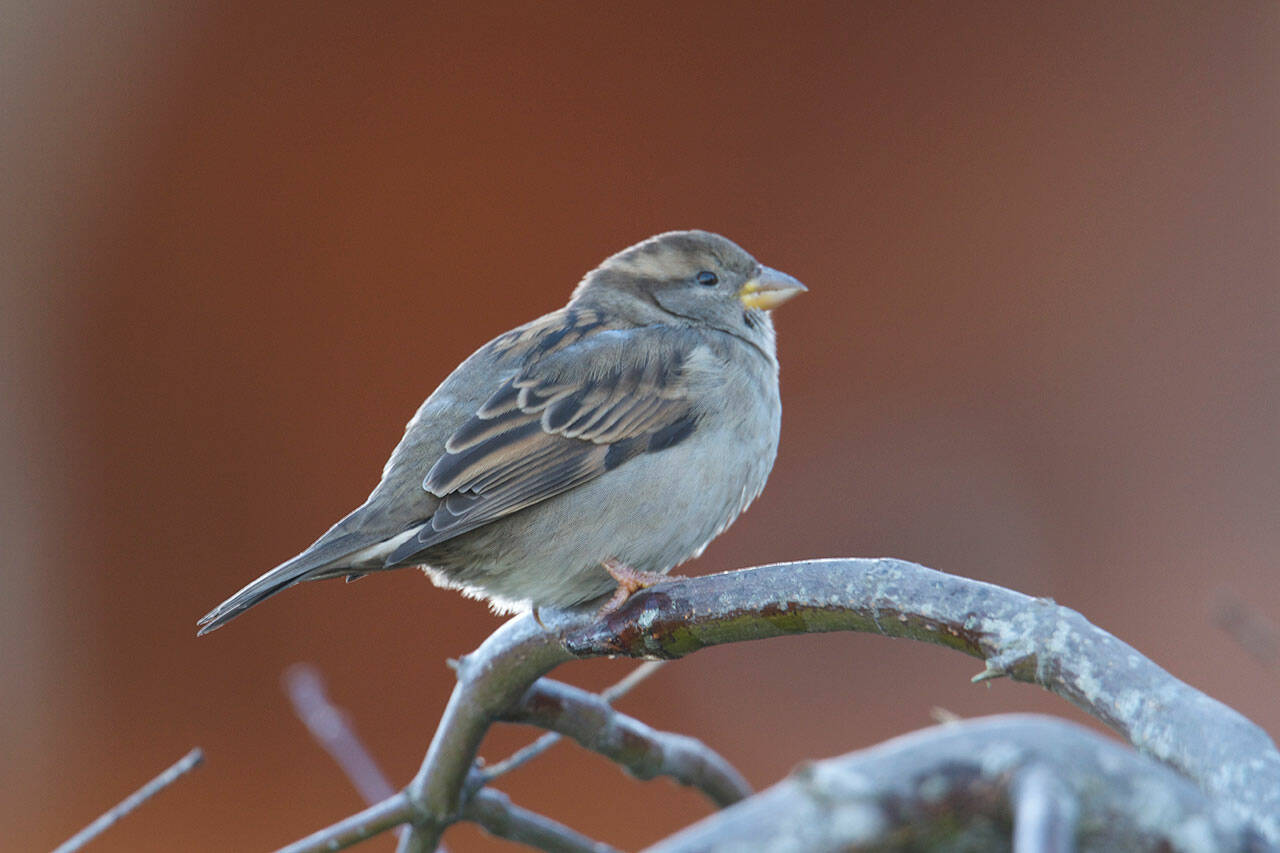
(769, 289)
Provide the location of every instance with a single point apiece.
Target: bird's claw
(630, 581)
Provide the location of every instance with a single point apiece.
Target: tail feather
(321, 560)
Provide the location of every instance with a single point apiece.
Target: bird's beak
(769, 289)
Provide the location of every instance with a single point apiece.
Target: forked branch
(1027, 639)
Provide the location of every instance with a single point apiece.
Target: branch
(1045, 810)
(492, 810)
(1028, 639)
(1025, 638)
(495, 812)
(1253, 631)
(375, 820)
(490, 680)
(525, 754)
(643, 751)
(331, 728)
(180, 768)
(488, 808)
(951, 787)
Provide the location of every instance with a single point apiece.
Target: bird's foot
(630, 581)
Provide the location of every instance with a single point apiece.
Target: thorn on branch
(943, 716)
(988, 674)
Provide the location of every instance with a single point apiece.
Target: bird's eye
(706, 278)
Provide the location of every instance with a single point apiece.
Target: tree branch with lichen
(1050, 784)
(1027, 639)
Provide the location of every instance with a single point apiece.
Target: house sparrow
(586, 451)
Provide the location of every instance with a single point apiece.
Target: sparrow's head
(689, 278)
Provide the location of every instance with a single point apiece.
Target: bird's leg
(630, 581)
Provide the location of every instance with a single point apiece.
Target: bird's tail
(324, 559)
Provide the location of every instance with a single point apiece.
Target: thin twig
(1252, 630)
(331, 728)
(525, 754)
(499, 816)
(633, 679)
(1045, 811)
(378, 818)
(180, 768)
(519, 758)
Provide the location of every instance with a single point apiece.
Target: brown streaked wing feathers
(587, 400)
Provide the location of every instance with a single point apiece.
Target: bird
(586, 452)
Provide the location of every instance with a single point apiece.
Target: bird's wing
(566, 418)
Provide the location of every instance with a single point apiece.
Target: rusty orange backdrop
(245, 240)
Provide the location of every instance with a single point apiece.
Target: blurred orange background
(243, 241)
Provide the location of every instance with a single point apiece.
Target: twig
(180, 768)
(643, 751)
(631, 680)
(519, 758)
(1045, 811)
(331, 728)
(1253, 631)
(950, 787)
(495, 812)
(525, 754)
(378, 818)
